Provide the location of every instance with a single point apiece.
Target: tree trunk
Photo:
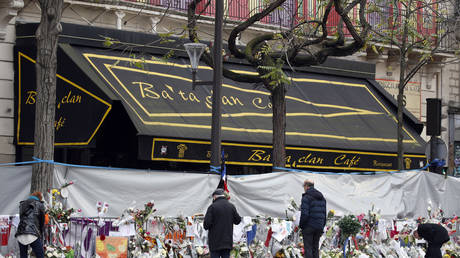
(47, 41)
(279, 126)
(400, 98)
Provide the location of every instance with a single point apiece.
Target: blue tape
(43, 160)
(215, 169)
(37, 160)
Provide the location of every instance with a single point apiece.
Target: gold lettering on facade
(59, 123)
(165, 93)
(407, 161)
(343, 159)
(375, 163)
(258, 155)
(193, 97)
(190, 97)
(31, 97)
(146, 90)
(208, 154)
(310, 159)
(69, 99)
(181, 93)
(209, 101)
(182, 148)
(257, 102)
(231, 101)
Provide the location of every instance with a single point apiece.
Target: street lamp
(196, 49)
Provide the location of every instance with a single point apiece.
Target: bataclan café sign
(296, 157)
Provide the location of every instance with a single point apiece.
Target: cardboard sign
(112, 247)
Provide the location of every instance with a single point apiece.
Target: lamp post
(194, 51)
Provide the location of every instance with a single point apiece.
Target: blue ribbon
(37, 160)
(215, 169)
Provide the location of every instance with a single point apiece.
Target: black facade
(127, 106)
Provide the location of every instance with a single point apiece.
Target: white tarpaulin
(402, 195)
(14, 187)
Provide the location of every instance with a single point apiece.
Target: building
(440, 81)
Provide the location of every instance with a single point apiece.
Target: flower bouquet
(59, 252)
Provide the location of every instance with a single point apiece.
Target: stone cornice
(8, 10)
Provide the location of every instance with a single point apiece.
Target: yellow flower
(54, 191)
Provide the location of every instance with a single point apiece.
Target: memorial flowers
(59, 252)
(56, 210)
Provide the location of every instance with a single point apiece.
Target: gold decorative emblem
(182, 148)
(407, 161)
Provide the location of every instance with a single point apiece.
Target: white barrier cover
(397, 195)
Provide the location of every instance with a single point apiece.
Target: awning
(81, 106)
(322, 110)
(333, 122)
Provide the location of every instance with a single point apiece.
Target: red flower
(102, 237)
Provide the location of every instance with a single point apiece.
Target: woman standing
(31, 224)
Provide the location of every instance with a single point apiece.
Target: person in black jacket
(219, 220)
(31, 224)
(436, 235)
(312, 218)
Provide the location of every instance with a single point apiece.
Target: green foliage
(349, 226)
(108, 42)
(275, 74)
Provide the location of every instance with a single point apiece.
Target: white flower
(49, 254)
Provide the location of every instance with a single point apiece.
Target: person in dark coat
(312, 218)
(219, 220)
(31, 225)
(436, 235)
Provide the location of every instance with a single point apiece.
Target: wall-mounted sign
(181, 150)
(79, 112)
(412, 94)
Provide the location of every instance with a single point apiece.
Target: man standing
(219, 220)
(312, 218)
(436, 235)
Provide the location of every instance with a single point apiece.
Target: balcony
(294, 11)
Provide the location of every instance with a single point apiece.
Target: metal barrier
(80, 234)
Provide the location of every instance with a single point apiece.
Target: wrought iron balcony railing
(293, 11)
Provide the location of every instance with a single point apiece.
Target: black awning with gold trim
(81, 106)
(322, 110)
(333, 121)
